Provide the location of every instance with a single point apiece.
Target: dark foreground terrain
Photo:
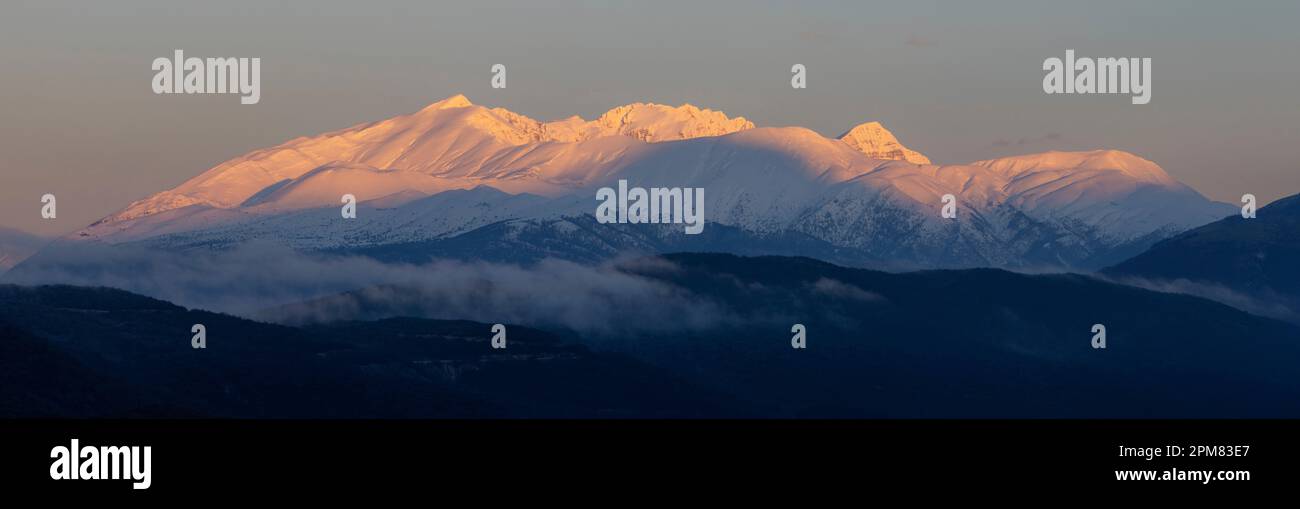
(970, 343)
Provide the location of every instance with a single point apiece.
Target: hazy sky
(958, 81)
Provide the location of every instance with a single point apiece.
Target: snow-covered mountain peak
(876, 142)
(455, 101)
(651, 122)
(451, 138)
(647, 122)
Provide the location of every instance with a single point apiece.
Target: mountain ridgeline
(456, 177)
(1257, 257)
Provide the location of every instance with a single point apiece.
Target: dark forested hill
(101, 352)
(1259, 257)
(967, 343)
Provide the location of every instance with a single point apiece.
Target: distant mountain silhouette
(16, 245)
(1259, 257)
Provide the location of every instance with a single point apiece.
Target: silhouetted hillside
(969, 343)
(95, 351)
(1258, 257)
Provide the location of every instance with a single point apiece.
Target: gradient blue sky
(957, 81)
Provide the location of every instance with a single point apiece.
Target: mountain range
(349, 317)
(456, 177)
(16, 246)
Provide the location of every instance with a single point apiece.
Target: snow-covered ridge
(449, 138)
(1130, 165)
(453, 138)
(864, 191)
